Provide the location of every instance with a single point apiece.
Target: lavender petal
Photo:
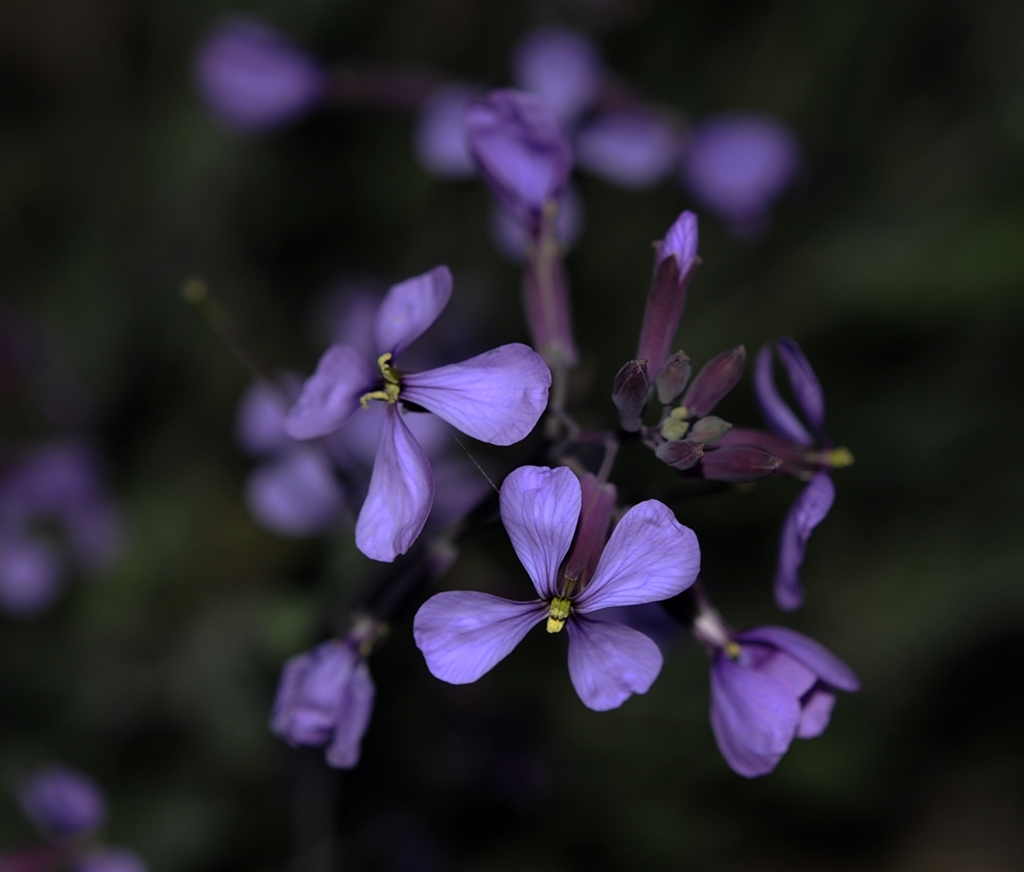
(331, 395)
(811, 654)
(609, 662)
(808, 510)
(464, 634)
(496, 397)
(259, 422)
(775, 411)
(769, 660)
(61, 802)
(634, 150)
(312, 683)
(650, 556)
(410, 307)
(351, 719)
(805, 384)
(30, 576)
(111, 860)
(441, 130)
(817, 712)
(754, 717)
(560, 65)
(540, 508)
(400, 494)
(297, 494)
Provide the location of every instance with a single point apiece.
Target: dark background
(897, 262)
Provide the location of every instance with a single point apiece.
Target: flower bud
(738, 463)
(672, 379)
(707, 431)
(717, 377)
(630, 391)
(680, 455)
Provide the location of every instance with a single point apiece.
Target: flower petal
(811, 654)
(464, 634)
(352, 717)
(775, 411)
(808, 510)
(297, 494)
(634, 149)
(560, 65)
(769, 660)
(609, 662)
(817, 712)
(311, 685)
(805, 384)
(649, 557)
(540, 509)
(754, 717)
(400, 494)
(331, 394)
(410, 307)
(496, 397)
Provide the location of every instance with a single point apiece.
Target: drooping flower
(769, 685)
(62, 802)
(497, 397)
(649, 557)
(325, 697)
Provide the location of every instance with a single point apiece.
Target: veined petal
(808, 510)
(769, 660)
(352, 719)
(331, 394)
(400, 494)
(410, 307)
(811, 654)
(777, 414)
(817, 712)
(754, 717)
(540, 509)
(496, 397)
(464, 634)
(609, 662)
(805, 384)
(649, 557)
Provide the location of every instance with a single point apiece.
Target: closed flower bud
(630, 391)
(672, 379)
(680, 455)
(738, 463)
(707, 431)
(717, 377)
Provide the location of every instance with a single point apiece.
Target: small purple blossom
(253, 79)
(562, 66)
(737, 165)
(496, 397)
(62, 802)
(649, 557)
(326, 698)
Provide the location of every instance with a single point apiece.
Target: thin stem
(196, 292)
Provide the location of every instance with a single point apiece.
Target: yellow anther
(679, 413)
(732, 650)
(389, 394)
(558, 614)
(385, 395)
(386, 369)
(840, 457)
(673, 429)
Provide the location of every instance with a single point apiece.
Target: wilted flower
(496, 397)
(649, 557)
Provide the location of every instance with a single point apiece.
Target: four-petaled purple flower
(496, 397)
(649, 557)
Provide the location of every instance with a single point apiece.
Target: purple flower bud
(561, 66)
(768, 686)
(253, 79)
(716, 378)
(30, 576)
(111, 860)
(634, 150)
(680, 454)
(673, 377)
(326, 698)
(440, 142)
(677, 256)
(630, 390)
(738, 164)
(62, 802)
(707, 431)
(297, 494)
(738, 463)
(520, 150)
(596, 507)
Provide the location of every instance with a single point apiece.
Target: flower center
(389, 393)
(558, 614)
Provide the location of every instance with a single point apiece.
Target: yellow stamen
(673, 429)
(558, 613)
(840, 457)
(732, 650)
(679, 413)
(391, 383)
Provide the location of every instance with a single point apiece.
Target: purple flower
(30, 575)
(634, 149)
(562, 67)
(62, 802)
(326, 698)
(440, 138)
(770, 685)
(496, 397)
(253, 79)
(649, 557)
(737, 165)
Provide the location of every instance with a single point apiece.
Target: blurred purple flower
(649, 557)
(562, 66)
(496, 397)
(770, 685)
(61, 801)
(634, 149)
(326, 698)
(30, 576)
(253, 79)
(111, 860)
(296, 494)
(440, 137)
(737, 165)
